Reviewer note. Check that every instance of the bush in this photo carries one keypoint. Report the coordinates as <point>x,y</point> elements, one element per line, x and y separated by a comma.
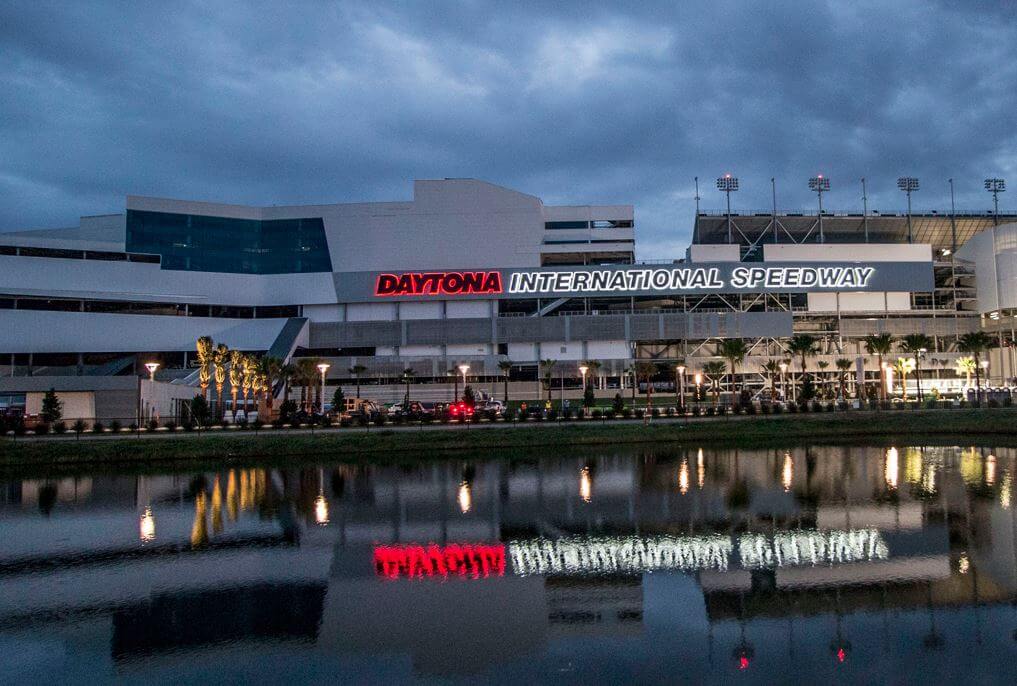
<point>257,424</point>
<point>617,404</point>
<point>98,428</point>
<point>626,412</point>
<point>398,419</point>
<point>844,406</point>
<point>710,411</point>
<point>597,414</point>
<point>696,411</point>
<point>286,410</point>
<point>379,420</point>
<point>133,427</point>
<point>171,425</point>
<point>993,403</point>
<point>241,423</point>
<point>278,422</point>
<point>639,412</point>
<point>199,410</point>
<point>60,427</point>
<point>188,425</point>
<point>115,426</point>
<point>669,411</point>
<point>655,412</point>
<point>750,409</point>
<point>792,408</point>
<point>41,429</point>
<point>777,408</point>
<point>765,408</point>
<point>428,418</point>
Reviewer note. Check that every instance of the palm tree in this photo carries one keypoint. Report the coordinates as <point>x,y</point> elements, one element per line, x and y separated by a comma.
<point>408,374</point>
<point>916,344</point>
<point>647,371</point>
<point>803,345</point>
<point>356,370</point>
<point>219,358</point>
<point>976,343</point>
<point>823,366</point>
<point>966,366</point>
<point>631,371</point>
<point>237,360</point>
<point>247,381</point>
<point>772,369</point>
<point>734,351</point>
<point>205,346</point>
<point>715,369</point>
<point>904,366</point>
<point>547,372</point>
<point>287,375</point>
<point>271,367</point>
<point>306,373</point>
<point>844,366</point>
<point>506,368</point>
<point>879,344</point>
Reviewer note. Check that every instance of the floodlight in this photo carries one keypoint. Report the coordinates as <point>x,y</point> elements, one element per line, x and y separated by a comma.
<point>908,184</point>
<point>995,186</point>
<point>726,184</point>
<point>820,184</point>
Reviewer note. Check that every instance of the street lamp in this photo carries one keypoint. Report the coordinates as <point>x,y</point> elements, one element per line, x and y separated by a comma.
<point>681,388</point>
<point>151,367</point>
<point>820,184</point>
<point>582,370</point>
<point>783,381</point>
<point>323,367</point>
<point>726,184</point>
<point>995,186</point>
<point>147,526</point>
<point>699,390</point>
<point>908,184</point>
<point>463,368</point>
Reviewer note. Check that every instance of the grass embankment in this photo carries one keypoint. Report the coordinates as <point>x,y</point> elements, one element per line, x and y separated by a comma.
<point>917,426</point>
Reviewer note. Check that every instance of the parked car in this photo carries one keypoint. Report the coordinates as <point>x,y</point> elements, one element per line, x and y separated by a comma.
<point>492,409</point>
<point>362,409</point>
<point>414,410</point>
<point>461,411</point>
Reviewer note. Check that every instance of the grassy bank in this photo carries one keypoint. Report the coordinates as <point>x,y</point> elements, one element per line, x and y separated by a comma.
<point>994,426</point>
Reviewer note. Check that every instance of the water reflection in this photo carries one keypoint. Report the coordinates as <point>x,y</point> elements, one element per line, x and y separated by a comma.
<point>804,562</point>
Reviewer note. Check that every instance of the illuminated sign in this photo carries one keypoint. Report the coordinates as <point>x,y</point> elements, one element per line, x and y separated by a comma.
<point>439,283</point>
<point>473,561</point>
<point>811,548</point>
<point>682,279</point>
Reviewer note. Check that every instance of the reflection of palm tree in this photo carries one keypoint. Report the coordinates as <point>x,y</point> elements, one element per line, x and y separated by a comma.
<point>932,640</point>
<point>232,499</point>
<point>216,506</point>
<point>199,530</point>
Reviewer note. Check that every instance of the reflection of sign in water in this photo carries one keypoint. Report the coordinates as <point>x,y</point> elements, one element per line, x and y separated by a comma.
<point>619,555</point>
<point>811,548</point>
<point>417,561</point>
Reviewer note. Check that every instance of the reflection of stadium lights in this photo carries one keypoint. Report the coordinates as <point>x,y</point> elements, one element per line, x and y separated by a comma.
<point>321,510</point>
<point>1005,490</point>
<point>585,485</point>
<point>890,468</point>
<point>147,526</point>
<point>683,477</point>
<point>990,470</point>
<point>700,469</point>
<point>787,475</point>
<point>465,497</point>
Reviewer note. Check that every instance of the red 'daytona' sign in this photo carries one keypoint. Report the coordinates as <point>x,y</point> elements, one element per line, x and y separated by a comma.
<point>417,561</point>
<point>439,283</point>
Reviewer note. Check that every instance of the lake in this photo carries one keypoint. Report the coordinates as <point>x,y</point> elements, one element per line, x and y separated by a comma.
<point>620,565</point>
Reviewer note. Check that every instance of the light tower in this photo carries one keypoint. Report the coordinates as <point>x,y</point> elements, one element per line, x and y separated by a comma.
<point>820,184</point>
<point>726,184</point>
<point>908,184</point>
<point>995,186</point>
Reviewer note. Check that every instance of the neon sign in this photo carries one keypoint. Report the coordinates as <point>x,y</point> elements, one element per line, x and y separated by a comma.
<point>474,561</point>
<point>439,283</point>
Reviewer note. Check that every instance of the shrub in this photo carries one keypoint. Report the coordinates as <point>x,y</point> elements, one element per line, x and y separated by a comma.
<point>199,410</point>
<point>710,411</point>
<point>398,419</point>
<point>379,419</point>
<point>778,409</point>
<point>626,412</point>
<point>133,427</point>
<point>993,403</point>
<point>617,404</point>
<point>188,425</point>
<point>52,408</point>
<point>41,429</point>
<point>792,408</point>
<point>115,426</point>
<point>171,425</point>
<point>241,423</point>
<point>60,427</point>
<point>696,411</point>
<point>597,414</point>
<point>843,405</point>
<point>655,412</point>
<point>765,409</point>
<point>750,409</point>
<point>829,407</point>
<point>428,418</point>
<point>98,428</point>
<point>639,412</point>
<point>669,411</point>
<point>257,424</point>
<point>279,422</point>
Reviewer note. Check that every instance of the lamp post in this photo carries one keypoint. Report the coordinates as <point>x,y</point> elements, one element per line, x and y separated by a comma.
<point>463,369</point>
<point>151,367</point>
<point>699,383</point>
<point>582,370</point>
<point>820,184</point>
<point>783,381</point>
<point>908,184</point>
<point>681,388</point>
<point>995,186</point>
<point>727,184</point>
<point>323,367</point>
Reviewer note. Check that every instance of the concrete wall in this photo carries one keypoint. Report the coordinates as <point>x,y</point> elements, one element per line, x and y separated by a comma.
<point>993,253</point>
<point>75,404</point>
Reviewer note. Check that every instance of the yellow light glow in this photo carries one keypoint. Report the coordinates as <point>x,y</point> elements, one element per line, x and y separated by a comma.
<point>1005,486</point>
<point>929,478</point>
<point>890,470</point>
<point>147,526</point>
<point>787,473</point>
<point>963,564</point>
<point>465,497</point>
<point>585,485</point>
<point>889,380</point>
<point>912,466</point>
<point>683,477</point>
<point>700,469</point>
<point>321,510</point>
<point>990,470</point>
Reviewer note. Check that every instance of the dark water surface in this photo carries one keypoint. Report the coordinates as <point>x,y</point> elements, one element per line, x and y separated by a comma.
<point>862,565</point>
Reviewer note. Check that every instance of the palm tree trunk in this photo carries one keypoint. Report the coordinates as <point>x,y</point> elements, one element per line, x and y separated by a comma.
<point>506,389</point>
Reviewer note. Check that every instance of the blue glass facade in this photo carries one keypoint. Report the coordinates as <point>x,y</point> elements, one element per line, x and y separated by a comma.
<point>192,242</point>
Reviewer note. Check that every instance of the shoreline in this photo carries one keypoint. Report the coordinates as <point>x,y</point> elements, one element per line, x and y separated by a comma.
<point>388,445</point>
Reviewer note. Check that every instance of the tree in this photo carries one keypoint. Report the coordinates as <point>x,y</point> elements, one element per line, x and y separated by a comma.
<point>199,410</point>
<point>879,344</point>
<point>714,369</point>
<point>843,366</point>
<point>904,366</point>
<point>917,344</point>
<point>52,408</point>
<point>647,371</point>
<point>205,346</point>
<point>975,343</point>
<point>271,367</point>
<point>237,363</point>
<point>772,369</point>
<point>734,351</point>
<point>804,346</point>
<point>219,358</point>
<point>408,374</point>
<point>338,400</point>
<point>966,366</point>
<point>355,371</point>
<point>547,372</point>
<point>589,397</point>
<point>506,368</point>
<point>469,396</point>
<point>823,366</point>
<point>287,374</point>
<point>631,371</point>
<point>306,375</point>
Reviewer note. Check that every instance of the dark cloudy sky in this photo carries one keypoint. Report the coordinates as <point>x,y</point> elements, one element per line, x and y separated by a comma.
<point>283,102</point>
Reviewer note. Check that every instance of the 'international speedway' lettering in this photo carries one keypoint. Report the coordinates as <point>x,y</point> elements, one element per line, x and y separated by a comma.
<point>672,280</point>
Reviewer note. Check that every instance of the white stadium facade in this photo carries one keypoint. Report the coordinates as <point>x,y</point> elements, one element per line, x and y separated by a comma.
<point>470,273</point>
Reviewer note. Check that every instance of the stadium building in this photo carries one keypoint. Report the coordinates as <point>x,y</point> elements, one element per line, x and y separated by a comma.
<point>472,274</point>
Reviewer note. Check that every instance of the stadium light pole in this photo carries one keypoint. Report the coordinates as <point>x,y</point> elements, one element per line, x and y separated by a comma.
<point>726,184</point>
<point>995,186</point>
<point>865,211</point>
<point>953,222</point>
<point>696,229</point>
<point>820,184</point>
<point>908,184</point>
<point>773,190</point>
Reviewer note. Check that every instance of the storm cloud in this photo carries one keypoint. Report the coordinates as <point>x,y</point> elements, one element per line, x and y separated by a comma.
<point>287,103</point>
